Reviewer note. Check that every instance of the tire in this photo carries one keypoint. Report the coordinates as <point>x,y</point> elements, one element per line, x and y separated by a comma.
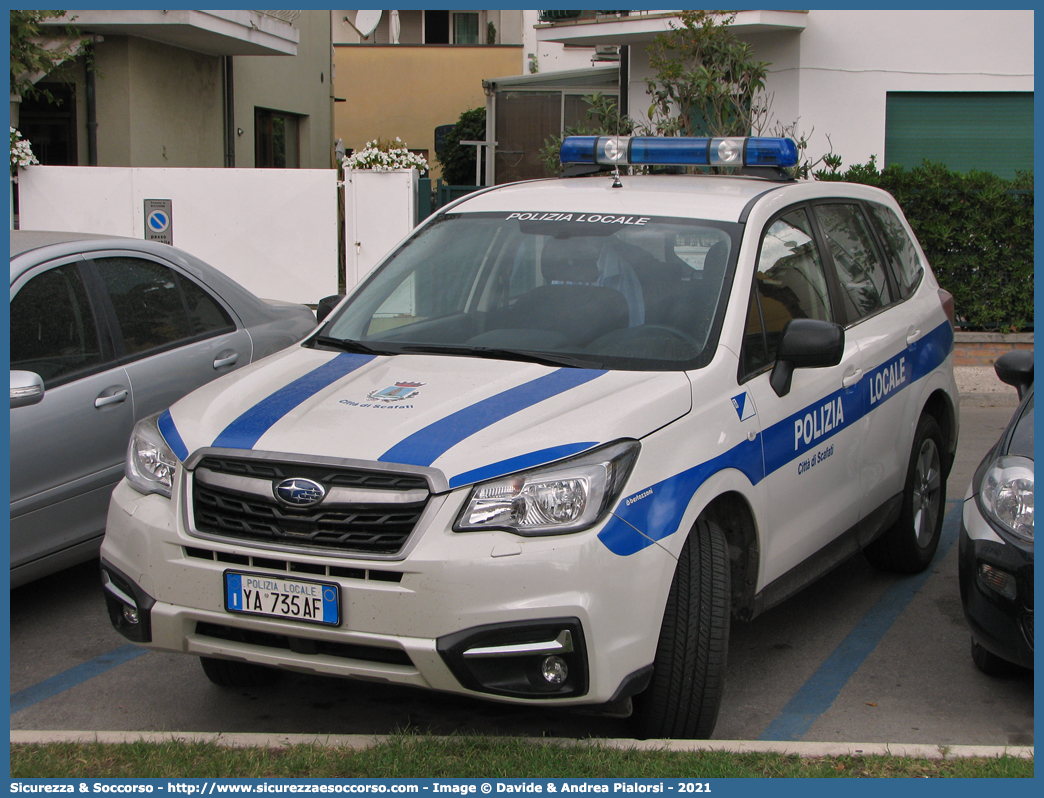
<point>989,663</point>
<point>230,673</point>
<point>909,545</point>
<point>688,679</point>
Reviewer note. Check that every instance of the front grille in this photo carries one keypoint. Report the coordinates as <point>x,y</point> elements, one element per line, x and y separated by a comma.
<point>243,507</point>
<point>1027,627</point>
<point>328,475</point>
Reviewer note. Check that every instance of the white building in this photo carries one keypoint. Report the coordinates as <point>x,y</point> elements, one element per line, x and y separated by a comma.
<point>954,86</point>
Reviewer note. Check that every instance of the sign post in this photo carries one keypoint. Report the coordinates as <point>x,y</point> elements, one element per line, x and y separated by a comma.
<point>159,221</point>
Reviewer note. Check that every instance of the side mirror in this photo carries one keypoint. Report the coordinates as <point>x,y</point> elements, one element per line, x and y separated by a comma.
<point>806,344</point>
<point>1016,368</point>
<point>327,304</point>
<point>27,388</point>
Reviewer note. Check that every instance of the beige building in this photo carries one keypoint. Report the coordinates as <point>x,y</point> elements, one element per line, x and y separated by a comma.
<point>187,88</point>
<point>417,70</point>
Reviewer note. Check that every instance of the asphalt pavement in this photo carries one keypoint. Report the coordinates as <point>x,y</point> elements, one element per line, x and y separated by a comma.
<point>857,656</point>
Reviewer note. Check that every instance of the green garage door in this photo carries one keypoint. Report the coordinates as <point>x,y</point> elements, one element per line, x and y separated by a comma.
<point>988,131</point>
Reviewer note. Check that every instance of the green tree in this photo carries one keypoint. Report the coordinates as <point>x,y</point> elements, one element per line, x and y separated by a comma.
<point>35,50</point>
<point>707,80</point>
<point>457,160</point>
<point>602,119</point>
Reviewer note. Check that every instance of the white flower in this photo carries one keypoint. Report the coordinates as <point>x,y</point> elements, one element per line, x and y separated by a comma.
<point>385,158</point>
<point>21,152</point>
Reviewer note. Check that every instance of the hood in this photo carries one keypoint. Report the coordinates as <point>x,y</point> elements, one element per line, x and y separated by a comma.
<point>471,419</point>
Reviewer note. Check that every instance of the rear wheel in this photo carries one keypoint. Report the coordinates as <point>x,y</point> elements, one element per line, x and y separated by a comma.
<point>688,678</point>
<point>909,545</point>
<point>230,673</point>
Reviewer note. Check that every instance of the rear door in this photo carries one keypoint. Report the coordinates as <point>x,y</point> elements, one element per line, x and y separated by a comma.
<point>173,334</point>
<point>888,335</point>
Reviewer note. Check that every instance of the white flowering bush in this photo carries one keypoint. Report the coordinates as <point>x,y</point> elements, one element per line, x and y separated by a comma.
<point>21,152</point>
<point>385,156</point>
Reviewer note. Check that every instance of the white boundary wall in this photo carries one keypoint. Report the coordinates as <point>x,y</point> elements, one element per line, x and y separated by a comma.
<point>274,231</point>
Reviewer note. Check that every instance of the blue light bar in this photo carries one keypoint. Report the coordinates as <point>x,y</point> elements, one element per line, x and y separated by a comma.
<point>660,151</point>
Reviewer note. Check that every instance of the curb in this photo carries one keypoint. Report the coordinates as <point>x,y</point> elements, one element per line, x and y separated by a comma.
<point>360,741</point>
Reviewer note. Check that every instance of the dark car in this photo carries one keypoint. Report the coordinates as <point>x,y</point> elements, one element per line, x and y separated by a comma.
<point>996,550</point>
<point>104,331</point>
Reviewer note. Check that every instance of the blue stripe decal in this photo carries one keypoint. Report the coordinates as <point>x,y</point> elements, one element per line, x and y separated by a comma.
<point>66,680</point>
<point>171,435</point>
<point>245,431</point>
<point>427,445</point>
<point>524,461</point>
<point>818,694</point>
<point>657,510</point>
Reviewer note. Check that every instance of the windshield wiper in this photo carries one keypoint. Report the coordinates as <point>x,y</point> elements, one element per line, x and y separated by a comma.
<point>521,355</point>
<point>348,345</point>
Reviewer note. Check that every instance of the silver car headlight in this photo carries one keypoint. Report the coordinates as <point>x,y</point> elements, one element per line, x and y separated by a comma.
<point>1007,495</point>
<point>150,462</point>
<point>567,496</point>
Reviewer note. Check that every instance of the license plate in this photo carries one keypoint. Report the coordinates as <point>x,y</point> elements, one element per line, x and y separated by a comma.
<point>278,597</point>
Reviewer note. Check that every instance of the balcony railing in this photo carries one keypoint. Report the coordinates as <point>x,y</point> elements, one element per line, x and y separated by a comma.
<point>282,16</point>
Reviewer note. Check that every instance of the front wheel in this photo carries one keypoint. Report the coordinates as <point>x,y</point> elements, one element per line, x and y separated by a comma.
<point>688,678</point>
<point>232,673</point>
<point>989,663</point>
<point>909,545</point>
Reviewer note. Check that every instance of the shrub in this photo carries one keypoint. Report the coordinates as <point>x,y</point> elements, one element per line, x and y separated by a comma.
<point>458,162</point>
<point>977,231</point>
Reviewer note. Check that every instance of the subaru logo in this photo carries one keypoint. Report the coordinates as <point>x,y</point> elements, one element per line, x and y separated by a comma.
<point>300,492</point>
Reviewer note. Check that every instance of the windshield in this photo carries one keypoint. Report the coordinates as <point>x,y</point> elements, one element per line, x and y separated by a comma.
<point>586,290</point>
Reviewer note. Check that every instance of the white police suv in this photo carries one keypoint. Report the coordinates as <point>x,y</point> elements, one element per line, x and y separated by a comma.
<point>563,433</point>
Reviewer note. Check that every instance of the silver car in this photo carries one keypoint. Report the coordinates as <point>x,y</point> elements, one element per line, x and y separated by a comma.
<point>104,331</point>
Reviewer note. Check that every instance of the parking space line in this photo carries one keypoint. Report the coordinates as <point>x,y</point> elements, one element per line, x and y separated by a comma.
<point>818,694</point>
<point>66,680</point>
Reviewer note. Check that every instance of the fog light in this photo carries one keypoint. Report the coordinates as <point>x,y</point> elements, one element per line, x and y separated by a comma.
<point>130,615</point>
<point>555,670</point>
<point>998,580</point>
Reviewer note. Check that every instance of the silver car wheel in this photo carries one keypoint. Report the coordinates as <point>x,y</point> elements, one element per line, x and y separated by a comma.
<point>927,479</point>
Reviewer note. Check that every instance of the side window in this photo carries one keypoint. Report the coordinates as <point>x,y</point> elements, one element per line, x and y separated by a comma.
<point>906,264</point>
<point>862,274</point>
<point>206,316</point>
<point>151,308</point>
<point>790,284</point>
<point>53,330</point>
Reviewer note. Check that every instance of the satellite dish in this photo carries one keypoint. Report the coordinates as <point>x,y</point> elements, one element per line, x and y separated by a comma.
<point>366,22</point>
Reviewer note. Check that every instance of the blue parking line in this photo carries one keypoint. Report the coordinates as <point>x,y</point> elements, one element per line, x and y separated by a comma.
<point>66,680</point>
<point>818,694</point>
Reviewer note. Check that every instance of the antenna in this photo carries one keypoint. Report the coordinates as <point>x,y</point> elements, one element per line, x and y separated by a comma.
<point>366,22</point>
<point>616,171</point>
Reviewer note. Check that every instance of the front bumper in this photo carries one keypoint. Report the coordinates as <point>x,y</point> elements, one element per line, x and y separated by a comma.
<point>408,621</point>
<point>996,580</point>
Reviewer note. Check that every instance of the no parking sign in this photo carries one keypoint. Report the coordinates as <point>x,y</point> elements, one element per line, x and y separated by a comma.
<point>159,221</point>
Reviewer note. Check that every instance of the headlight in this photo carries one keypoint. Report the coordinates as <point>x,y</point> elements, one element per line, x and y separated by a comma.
<point>1007,495</point>
<point>150,462</point>
<point>563,497</point>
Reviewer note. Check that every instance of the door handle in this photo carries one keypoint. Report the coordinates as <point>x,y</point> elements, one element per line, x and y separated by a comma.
<point>118,395</point>
<point>226,358</point>
<point>850,379</point>
<point>912,336</point>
